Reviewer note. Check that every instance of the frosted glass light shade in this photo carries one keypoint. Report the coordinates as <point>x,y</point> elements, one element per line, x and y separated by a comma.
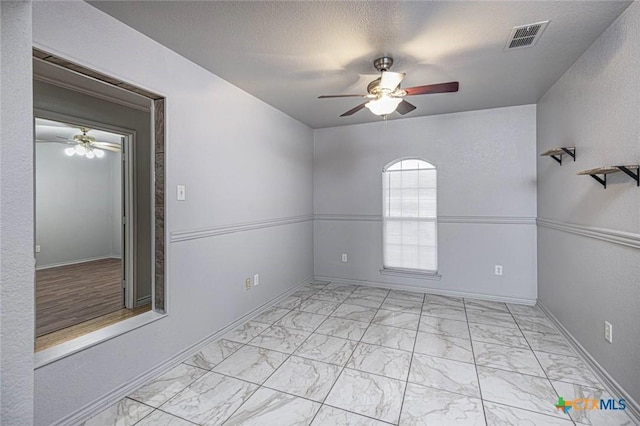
<point>80,150</point>
<point>99,153</point>
<point>70,151</point>
<point>384,105</point>
<point>90,154</point>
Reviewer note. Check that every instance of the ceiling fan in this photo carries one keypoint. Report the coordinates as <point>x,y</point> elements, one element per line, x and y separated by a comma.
<point>386,95</point>
<point>85,145</point>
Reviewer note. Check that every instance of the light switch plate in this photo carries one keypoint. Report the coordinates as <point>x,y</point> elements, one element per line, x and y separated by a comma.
<point>181,193</point>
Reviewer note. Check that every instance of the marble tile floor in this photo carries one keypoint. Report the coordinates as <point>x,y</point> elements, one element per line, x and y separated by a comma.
<point>333,355</point>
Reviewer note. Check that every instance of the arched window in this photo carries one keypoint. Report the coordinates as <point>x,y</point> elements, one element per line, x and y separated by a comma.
<point>409,216</point>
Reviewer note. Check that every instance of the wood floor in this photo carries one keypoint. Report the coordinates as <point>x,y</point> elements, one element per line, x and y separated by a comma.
<point>61,336</point>
<point>74,294</point>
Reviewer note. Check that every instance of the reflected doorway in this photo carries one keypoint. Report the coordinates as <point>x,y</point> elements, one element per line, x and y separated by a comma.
<point>83,243</point>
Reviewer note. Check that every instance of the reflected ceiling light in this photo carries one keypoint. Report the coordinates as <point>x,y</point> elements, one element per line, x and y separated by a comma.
<point>384,105</point>
<point>82,151</point>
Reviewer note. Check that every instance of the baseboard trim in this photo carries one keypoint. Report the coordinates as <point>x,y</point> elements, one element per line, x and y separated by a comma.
<point>99,404</point>
<point>438,291</point>
<point>75,262</point>
<point>622,238</point>
<point>609,382</point>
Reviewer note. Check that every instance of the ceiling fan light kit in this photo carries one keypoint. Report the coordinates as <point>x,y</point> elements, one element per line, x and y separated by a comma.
<point>86,146</point>
<point>384,105</point>
<point>386,94</point>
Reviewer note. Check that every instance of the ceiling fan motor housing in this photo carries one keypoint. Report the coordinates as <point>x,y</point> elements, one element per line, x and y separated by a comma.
<point>383,63</point>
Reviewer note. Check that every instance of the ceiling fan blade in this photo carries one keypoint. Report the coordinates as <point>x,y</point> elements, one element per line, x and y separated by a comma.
<point>105,144</point>
<point>452,86</point>
<point>109,148</point>
<point>354,110</point>
<point>341,96</point>
<point>63,141</point>
<point>405,107</point>
<point>391,80</point>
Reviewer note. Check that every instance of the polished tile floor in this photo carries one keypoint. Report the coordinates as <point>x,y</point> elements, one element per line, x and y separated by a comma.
<point>335,355</point>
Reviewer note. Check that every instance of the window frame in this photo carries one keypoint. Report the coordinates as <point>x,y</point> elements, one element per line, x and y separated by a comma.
<point>409,272</point>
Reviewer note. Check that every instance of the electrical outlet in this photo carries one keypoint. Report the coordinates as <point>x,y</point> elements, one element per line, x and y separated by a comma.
<point>256,280</point>
<point>608,332</point>
<point>344,257</point>
<point>247,284</point>
<point>498,270</point>
<point>37,249</point>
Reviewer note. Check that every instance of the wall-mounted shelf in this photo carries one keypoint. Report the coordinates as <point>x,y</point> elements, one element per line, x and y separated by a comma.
<point>604,171</point>
<point>557,153</point>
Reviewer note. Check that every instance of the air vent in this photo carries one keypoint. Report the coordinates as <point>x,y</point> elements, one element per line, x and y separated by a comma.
<point>525,35</point>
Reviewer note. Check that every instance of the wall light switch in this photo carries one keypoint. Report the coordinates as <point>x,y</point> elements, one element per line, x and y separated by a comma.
<point>256,280</point>
<point>38,249</point>
<point>181,193</point>
<point>498,270</point>
<point>608,332</point>
<point>344,257</point>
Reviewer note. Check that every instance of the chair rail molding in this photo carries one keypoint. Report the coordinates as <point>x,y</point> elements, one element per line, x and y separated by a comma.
<point>193,234</point>
<point>628,239</point>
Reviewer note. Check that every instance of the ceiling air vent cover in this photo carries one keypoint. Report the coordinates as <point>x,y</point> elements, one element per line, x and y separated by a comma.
<point>525,35</point>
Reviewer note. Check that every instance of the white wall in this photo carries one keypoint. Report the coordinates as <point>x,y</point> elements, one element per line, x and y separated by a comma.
<point>486,199</point>
<point>589,238</point>
<point>242,162</point>
<point>16,216</point>
<point>76,210</point>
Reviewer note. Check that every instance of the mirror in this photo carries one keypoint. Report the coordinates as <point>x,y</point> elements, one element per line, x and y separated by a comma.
<point>99,200</point>
<point>80,235</point>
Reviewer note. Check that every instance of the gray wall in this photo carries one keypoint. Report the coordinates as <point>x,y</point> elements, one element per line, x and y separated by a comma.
<point>486,199</point>
<point>76,210</point>
<point>64,101</point>
<point>16,216</point>
<point>586,276</point>
<point>248,174</point>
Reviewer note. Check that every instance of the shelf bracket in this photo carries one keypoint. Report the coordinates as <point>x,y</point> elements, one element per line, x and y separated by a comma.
<point>634,176</point>
<point>603,180</point>
<point>557,158</point>
<point>571,152</point>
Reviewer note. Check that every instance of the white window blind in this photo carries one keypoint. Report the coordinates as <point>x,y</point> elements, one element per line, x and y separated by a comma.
<point>409,216</point>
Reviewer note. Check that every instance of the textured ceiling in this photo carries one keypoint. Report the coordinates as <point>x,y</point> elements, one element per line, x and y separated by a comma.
<point>288,53</point>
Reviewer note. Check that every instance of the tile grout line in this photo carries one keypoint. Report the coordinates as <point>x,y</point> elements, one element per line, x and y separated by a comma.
<point>343,367</point>
<point>260,386</point>
<point>350,356</point>
<point>415,341</point>
<point>386,298</point>
<point>540,364</point>
<point>475,364</point>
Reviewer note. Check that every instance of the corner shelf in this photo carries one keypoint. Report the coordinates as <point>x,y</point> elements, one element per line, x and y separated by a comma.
<point>557,153</point>
<point>606,170</point>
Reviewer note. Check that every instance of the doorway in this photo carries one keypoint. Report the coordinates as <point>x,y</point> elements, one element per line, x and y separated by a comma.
<point>83,233</point>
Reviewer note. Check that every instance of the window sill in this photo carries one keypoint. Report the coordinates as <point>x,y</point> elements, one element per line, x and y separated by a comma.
<point>81,343</point>
<point>407,273</point>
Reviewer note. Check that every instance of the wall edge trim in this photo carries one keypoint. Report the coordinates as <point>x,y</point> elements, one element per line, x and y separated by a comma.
<point>623,238</point>
<point>122,391</point>
<point>609,382</point>
<point>429,290</point>
<point>194,234</point>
